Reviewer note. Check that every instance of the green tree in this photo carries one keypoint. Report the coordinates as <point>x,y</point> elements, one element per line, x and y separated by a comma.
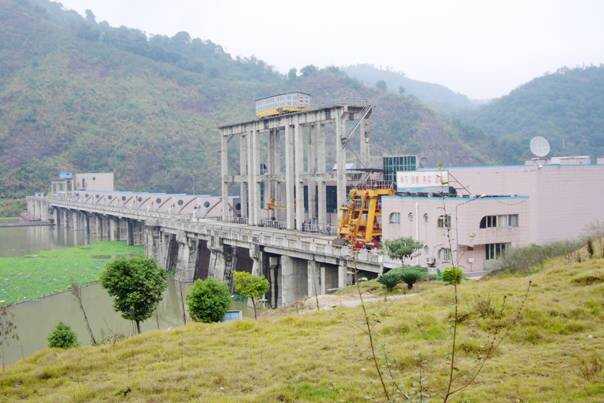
<point>389,280</point>
<point>411,275</point>
<point>208,300</point>
<point>401,248</point>
<point>62,337</point>
<point>136,285</point>
<point>250,286</point>
<point>453,275</point>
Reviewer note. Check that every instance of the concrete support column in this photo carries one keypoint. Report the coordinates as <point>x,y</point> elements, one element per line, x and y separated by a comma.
<point>364,129</point>
<point>290,178</point>
<point>312,169</point>
<point>257,263</point>
<point>299,167</point>
<point>243,186</point>
<point>321,185</point>
<point>314,285</point>
<point>75,215</point>
<point>113,228</point>
<point>256,174</point>
<point>342,275</point>
<point>269,187</point>
<point>55,216</point>
<point>129,232</point>
<point>340,127</point>
<point>65,218</point>
<point>250,177</point>
<point>288,280</point>
<point>273,264</point>
<point>322,280</point>
<point>224,171</point>
<point>187,251</point>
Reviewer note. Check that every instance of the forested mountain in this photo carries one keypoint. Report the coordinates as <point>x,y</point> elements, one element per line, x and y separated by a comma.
<point>80,95</point>
<point>566,107</point>
<point>436,95</point>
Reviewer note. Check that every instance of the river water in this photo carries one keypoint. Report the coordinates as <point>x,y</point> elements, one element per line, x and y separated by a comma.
<point>35,319</point>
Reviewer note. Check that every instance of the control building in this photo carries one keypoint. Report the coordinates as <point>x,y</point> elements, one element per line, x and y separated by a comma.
<point>486,210</point>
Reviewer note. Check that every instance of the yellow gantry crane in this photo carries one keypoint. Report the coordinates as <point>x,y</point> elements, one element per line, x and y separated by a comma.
<point>360,225</point>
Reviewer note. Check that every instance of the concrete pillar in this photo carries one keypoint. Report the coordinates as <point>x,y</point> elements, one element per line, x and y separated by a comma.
<point>269,187</point>
<point>340,127</point>
<point>321,184</point>
<point>312,169</point>
<point>129,232</point>
<point>257,256</point>
<point>187,254</point>
<point>224,170</point>
<point>364,141</point>
<point>288,281</point>
<point>314,286</point>
<point>299,167</point>
<point>323,280</point>
<point>256,172</point>
<point>243,186</point>
<point>113,228</point>
<point>290,178</point>
<point>342,275</point>
<point>55,216</point>
<point>273,264</point>
<point>75,215</point>
<point>250,178</point>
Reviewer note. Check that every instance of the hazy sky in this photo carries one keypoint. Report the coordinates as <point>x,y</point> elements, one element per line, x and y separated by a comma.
<point>482,48</point>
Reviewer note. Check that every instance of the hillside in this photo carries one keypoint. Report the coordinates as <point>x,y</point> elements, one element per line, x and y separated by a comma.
<point>566,107</point>
<point>552,353</point>
<point>81,95</point>
<point>436,95</point>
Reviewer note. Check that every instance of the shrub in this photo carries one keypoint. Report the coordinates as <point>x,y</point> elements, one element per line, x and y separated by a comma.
<point>522,260</point>
<point>136,284</point>
<point>453,275</point>
<point>62,337</point>
<point>412,275</point>
<point>389,280</point>
<point>208,300</point>
<point>250,286</point>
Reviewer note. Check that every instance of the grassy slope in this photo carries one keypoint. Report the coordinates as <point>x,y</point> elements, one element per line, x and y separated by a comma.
<point>33,276</point>
<point>325,356</point>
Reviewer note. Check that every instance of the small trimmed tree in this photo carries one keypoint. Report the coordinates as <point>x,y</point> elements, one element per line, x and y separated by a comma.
<point>411,275</point>
<point>208,300</point>
<point>136,284</point>
<point>401,248</point>
<point>62,337</point>
<point>389,280</point>
<point>453,275</point>
<point>250,286</point>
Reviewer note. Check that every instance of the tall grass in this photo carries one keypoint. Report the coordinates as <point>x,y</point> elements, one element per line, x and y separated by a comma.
<point>530,258</point>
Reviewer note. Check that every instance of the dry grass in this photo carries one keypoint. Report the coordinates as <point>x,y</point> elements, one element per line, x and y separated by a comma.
<point>554,353</point>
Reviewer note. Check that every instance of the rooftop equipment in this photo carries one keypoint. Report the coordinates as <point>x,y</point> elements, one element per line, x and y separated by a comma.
<point>282,103</point>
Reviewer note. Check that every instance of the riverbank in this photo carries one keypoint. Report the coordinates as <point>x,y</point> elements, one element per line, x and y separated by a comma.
<point>46,272</point>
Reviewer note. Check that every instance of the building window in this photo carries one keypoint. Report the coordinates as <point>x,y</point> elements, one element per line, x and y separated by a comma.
<point>394,218</point>
<point>444,221</point>
<point>426,217</point>
<point>410,216</point>
<point>494,250</point>
<point>444,255</point>
<point>499,221</point>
